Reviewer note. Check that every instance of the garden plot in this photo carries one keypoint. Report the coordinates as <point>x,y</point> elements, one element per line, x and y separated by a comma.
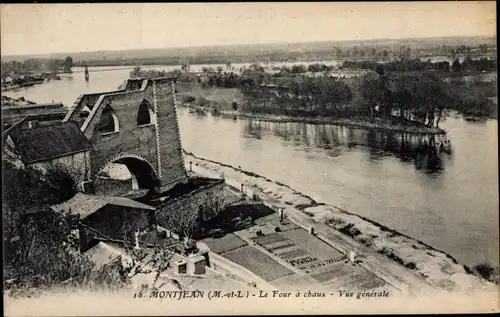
<point>313,245</point>
<point>335,272</point>
<point>349,277</point>
<point>296,253</point>
<point>227,243</point>
<point>348,281</point>
<point>320,265</point>
<point>294,282</point>
<point>367,282</point>
<point>281,245</point>
<point>258,262</point>
<point>269,239</point>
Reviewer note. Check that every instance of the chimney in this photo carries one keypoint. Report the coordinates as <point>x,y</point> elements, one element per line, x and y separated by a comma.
<point>137,246</point>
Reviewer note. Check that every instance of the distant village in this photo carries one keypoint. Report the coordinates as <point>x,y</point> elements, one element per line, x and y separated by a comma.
<point>31,72</point>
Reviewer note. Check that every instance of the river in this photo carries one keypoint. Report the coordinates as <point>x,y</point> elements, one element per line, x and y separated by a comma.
<point>450,201</point>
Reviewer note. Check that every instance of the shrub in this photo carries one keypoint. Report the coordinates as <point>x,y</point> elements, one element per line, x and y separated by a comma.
<point>189,99</point>
<point>487,272</point>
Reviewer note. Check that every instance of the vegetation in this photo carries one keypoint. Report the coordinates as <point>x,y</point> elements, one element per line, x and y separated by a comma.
<point>404,97</point>
<point>37,65</point>
<point>41,249</point>
<point>488,272</point>
<point>409,65</point>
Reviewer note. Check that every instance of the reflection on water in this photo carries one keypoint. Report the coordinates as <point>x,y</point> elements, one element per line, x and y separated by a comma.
<point>421,151</point>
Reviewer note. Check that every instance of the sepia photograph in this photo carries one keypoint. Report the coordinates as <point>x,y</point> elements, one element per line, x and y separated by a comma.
<point>249,158</point>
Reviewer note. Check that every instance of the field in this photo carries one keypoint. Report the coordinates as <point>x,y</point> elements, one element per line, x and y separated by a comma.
<point>318,260</point>
<point>258,262</point>
<point>294,282</point>
<point>315,246</point>
<point>227,243</point>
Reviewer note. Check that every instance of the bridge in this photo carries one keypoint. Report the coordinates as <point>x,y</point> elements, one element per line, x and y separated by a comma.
<point>135,126</point>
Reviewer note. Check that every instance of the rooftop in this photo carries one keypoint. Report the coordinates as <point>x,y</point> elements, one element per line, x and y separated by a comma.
<point>49,142</point>
<point>85,205</point>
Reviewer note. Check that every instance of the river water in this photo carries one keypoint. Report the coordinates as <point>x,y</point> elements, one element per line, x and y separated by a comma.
<point>448,201</point>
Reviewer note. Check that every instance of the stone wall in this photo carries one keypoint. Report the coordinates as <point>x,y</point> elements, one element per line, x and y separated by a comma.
<point>171,160</point>
<point>77,164</point>
<point>207,200</point>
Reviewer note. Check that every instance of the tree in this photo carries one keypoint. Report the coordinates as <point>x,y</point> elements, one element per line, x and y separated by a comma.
<point>372,92</point>
<point>40,250</point>
<point>468,64</point>
<point>152,260</point>
<point>68,63</point>
<point>185,67</point>
<point>355,50</point>
<point>483,48</point>
<point>55,64</point>
<point>456,66</point>
<point>185,224</point>
<point>379,69</point>
<point>338,52</point>
<point>298,69</point>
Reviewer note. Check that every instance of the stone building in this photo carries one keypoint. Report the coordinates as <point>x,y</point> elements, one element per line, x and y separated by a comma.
<point>137,126</point>
<point>108,218</point>
<point>43,147</point>
<point>30,114</point>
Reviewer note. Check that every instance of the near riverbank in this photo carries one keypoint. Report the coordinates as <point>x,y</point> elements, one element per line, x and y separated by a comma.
<point>387,252</point>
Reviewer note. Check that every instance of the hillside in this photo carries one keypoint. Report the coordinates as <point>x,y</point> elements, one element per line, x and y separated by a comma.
<point>249,53</point>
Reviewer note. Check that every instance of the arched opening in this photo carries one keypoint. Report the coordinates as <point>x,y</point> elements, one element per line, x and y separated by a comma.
<point>128,175</point>
<point>145,114</point>
<point>108,122</point>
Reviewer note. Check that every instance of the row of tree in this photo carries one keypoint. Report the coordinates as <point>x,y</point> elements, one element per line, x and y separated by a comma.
<point>410,65</point>
<point>36,65</point>
<point>409,99</point>
<point>300,96</point>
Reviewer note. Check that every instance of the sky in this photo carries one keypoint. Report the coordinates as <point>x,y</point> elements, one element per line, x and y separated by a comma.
<point>68,28</point>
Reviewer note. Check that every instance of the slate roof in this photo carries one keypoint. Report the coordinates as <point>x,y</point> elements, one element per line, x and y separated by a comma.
<point>85,205</point>
<point>102,254</point>
<point>49,142</point>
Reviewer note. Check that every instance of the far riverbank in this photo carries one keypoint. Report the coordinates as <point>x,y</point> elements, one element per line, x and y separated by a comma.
<point>378,125</point>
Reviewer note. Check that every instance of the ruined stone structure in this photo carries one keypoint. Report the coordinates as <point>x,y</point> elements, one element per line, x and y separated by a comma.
<point>135,126</point>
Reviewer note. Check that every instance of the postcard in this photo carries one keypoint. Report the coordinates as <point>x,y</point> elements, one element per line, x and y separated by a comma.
<point>250,158</point>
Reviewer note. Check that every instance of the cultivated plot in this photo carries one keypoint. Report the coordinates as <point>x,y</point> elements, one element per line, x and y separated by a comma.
<point>227,243</point>
<point>258,262</point>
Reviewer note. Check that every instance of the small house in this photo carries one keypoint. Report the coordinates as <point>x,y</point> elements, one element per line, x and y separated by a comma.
<point>108,218</point>
<point>45,146</point>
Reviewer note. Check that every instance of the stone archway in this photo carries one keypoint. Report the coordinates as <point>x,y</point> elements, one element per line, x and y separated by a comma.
<point>143,173</point>
<point>114,129</point>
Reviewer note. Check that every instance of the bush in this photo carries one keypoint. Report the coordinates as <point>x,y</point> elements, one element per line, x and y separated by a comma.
<point>487,272</point>
<point>189,99</point>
